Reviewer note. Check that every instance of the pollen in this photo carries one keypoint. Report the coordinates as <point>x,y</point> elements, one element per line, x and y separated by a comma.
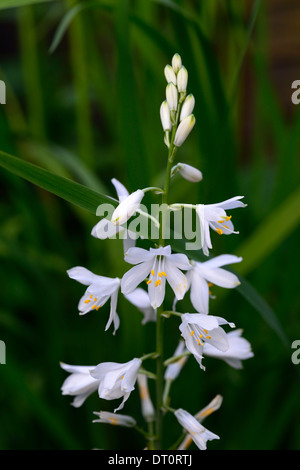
<point>228,217</point>
<point>91,296</point>
<point>210,284</point>
<point>152,272</point>
<point>97,308</point>
<point>163,273</point>
<point>192,332</point>
<point>225,226</point>
<point>208,337</point>
<point>148,282</point>
<point>87,301</point>
<point>200,336</point>
<point>219,231</point>
<point>113,421</point>
<point>158,282</point>
<point>205,331</point>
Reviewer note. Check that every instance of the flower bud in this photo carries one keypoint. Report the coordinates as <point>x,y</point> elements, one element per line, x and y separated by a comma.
<point>182,79</point>
<point>127,208</point>
<point>165,116</point>
<point>187,107</point>
<point>172,96</point>
<point>174,369</point>
<point>184,129</point>
<point>189,173</point>
<point>114,419</point>
<point>170,74</point>
<point>176,62</point>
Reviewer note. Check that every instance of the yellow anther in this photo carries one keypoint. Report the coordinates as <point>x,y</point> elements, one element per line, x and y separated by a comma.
<point>205,331</point>
<point>95,299</point>
<point>91,296</point>
<point>94,306</point>
<point>158,282</point>
<point>164,274</point>
<point>219,231</point>
<point>210,292</point>
<point>122,377</point>
<point>221,221</point>
<point>200,336</point>
<point>210,284</point>
<point>152,272</point>
<point>87,301</point>
<point>113,420</point>
<point>97,308</point>
<point>208,337</point>
<point>228,217</point>
<point>192,332</point>
<point>159,274</point>
<point>225,226</point>
<point>149,282</point>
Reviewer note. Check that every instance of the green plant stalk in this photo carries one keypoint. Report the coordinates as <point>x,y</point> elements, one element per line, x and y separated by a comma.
<point>160,310</point>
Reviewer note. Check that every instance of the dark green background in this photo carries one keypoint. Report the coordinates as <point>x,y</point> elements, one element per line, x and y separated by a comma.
<point>89,110</point>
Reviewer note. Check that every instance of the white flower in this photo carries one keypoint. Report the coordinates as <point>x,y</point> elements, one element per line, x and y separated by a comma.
<point>165,116</point>
<point>100,290</point>
<point>140,299</point>
<point>170,74</point>
<point>199,328</point>
<point>127,208</point>
<point>203,275</point>
<point>174,369</point>
<point>188,172</point>
<point>187,107</point>
<point>176,62</point>
<point>172,96</point>
<point>148,411</point>
<point>184,129</point>
<point>214,216</point>
<point>107,229</point>
<point>182,79</point>
<point>198,433</point>
<point>162,266</point>
<point>79,384</point>
<point>114,419</point>
<point>116,380</point>
<point>238,350</point>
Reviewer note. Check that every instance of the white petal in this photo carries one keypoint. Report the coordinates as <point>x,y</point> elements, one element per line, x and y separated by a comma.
<point>199,293</point>
<point>135,276</point>
<point>180,260</point>
<point>221,277</point>
<point>221,260</point>
<point>113,310</point>
<point>120,189</point>
<point>105,229</point>
<point>82,275</point>
<point>137,255</point>
<point>176,279</point>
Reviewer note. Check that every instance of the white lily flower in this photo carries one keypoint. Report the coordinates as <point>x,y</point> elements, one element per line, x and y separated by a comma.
<point>140,299</point>
<point>184,129</point>
<point>198,433</point>
<point>239,349</point>
<point>199,328</point>
<point>148,411</point>
<point>161,266</point>
<point>116,380</point>
<point>107,229</point>
<point>100,290</point>
<point>176,62</point>
<point>214,216</point>
<point>114,419</point>
<point>170,74</point>
<point>187,107</point>
<point>203,275</point>
<point>79,384</point>
<point>174,369</point>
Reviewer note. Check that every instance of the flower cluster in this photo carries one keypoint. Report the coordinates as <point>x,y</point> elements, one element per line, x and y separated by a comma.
<point>144,286</point>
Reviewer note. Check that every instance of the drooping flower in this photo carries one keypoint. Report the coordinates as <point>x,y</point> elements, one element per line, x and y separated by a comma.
<point>199,328</point>
<point>140,299</point>
<point>116,380</point>
<point>239,349</point>
<point>107,229</point>
<point>148,411</point>
<point>114,419</point>
<point>203,275</point>
<point>79,384</point>
<point>100,290</point>
<point>198,433</point>
<point>187,172</point>
<point>214,216</point>
<point>161,266</point>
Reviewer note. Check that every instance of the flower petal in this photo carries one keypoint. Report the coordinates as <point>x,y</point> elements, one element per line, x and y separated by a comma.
<point>135,276</point>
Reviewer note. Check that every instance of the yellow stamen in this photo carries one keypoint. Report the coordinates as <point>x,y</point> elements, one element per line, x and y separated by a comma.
<point>91,296</point>
<point>208,337</point>
<point>87,301</point>
<point>122,377</point>
<point>159,274</point>
<point>192,332</point>
<point>210,284</point>
<point>228,217</point>
<point>152,272</point>
<point>205,331</point>
<point>95,299</point>
<point>148,282</point>
<point>158,282</point>
<point>94,306</point>
<point>207,412</point>
<point>97,308</point>
<point>219,231</point>
<point>200,336</point>
<point>225,226</point>
<point>164,274</point>
<point>113,421</point>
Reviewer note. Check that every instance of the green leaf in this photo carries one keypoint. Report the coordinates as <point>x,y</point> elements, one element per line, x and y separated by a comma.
<point>65,188</point>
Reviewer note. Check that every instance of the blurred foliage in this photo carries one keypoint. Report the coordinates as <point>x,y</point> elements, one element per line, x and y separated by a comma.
<point>84,86</point>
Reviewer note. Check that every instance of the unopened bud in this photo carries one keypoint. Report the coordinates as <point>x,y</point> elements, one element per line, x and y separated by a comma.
<point>184,130</point>
<point>127,208</point>
<point>182,79</point>
<point>187,107</point>
<point>165,116</point>
<point>146,403</point>
<point>170,74</point>
<point>189,173</point>
<point>172,96</point>
<point>176,62</point>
